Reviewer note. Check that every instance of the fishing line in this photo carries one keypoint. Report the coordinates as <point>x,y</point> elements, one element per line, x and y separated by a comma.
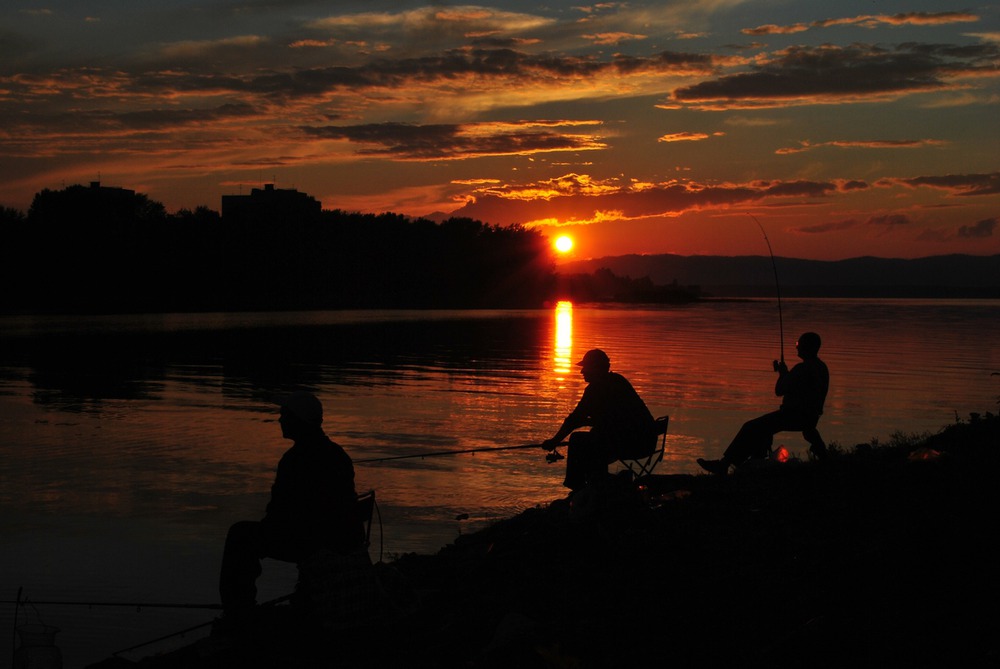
<point>437,453</point>
<point>777,286</point>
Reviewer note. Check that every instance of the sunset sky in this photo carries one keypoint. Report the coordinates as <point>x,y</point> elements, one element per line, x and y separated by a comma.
<point>847,129</point>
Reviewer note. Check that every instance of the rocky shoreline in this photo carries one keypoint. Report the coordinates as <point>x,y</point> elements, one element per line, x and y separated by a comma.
<point>878,557</point>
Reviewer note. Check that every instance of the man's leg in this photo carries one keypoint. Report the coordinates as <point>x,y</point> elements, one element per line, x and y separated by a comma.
<point>816,444</point>
<point>241,566</point>
<point>754,439</point>
<point>586,460</point>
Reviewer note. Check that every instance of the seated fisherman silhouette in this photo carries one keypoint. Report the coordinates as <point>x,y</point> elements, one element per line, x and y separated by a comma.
<point>803,391</point>
<point>620,424</point>
<point>312,507</point>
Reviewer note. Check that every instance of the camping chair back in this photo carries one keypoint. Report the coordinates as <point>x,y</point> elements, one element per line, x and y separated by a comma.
<point>366,511</point>
<point>644,466</point>
<point>338,590</point>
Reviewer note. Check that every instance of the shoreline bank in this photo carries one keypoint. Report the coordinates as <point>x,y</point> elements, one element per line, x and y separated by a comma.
<point>877,557</point>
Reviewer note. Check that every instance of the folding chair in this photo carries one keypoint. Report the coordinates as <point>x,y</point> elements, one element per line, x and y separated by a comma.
<point>644,466</point>
<point>366,509</point>
<point>339,590</point>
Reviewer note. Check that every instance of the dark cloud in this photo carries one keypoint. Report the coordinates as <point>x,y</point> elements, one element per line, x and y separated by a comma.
<point>829,73</point>
<point>959,184</point>
<point>108,121</point>
<point>862,144</point>
<point>833,226</point>
<point>494,42</point>
<point>476,67</point>
<point>13,46</point>
<point>666,62</point>
<point>453,141</point>
<point>485,65</point>
<point>889,221</point>
<point>980,230</point>
<point>797,188</point>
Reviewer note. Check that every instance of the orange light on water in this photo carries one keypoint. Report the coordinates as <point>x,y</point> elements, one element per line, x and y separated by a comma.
<point>563,350</point>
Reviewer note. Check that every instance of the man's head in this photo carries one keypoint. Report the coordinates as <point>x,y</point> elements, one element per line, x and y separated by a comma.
<point>808,345</point>
<point>594,363</point>
<point>300,412</point>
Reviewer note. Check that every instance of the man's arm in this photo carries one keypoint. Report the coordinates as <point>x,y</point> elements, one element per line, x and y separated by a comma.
<point>579,417</point>
<point>571,423</point>
<point>781,386</point>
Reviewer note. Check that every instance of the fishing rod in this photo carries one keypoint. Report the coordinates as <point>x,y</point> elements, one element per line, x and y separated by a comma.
<point>437,453</point>
<point>186,630</point>
<point>138,606</point>
<point>134,605</point>
<point>777,287</point>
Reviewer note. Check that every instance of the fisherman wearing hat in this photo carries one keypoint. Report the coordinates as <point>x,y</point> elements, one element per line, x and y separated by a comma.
<point>312,507</point>
<point>621,425</point>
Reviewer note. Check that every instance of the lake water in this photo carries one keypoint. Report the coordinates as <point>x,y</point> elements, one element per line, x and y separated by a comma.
<point>129,444</point>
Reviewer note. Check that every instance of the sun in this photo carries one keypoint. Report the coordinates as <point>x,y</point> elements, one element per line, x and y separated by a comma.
<point>564,244</point>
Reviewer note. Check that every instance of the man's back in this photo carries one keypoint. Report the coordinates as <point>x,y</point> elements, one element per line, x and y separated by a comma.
<point>615,409</point>
<point>314,493</point>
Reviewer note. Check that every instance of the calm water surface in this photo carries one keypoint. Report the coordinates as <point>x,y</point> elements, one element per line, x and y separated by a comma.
<point>129,444</point>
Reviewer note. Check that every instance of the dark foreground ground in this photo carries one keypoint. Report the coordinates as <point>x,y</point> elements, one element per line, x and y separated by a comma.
<point>879,557</point>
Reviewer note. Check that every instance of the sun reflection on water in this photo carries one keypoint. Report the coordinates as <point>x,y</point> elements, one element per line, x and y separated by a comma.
<point>562,357</point>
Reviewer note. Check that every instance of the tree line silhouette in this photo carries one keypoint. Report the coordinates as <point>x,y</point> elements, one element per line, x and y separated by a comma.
<point>107,250</point>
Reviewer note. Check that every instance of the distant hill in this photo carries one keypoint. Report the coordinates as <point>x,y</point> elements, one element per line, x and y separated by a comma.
<point>751,276</point>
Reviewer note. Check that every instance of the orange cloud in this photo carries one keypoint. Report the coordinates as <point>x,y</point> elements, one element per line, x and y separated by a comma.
<point>605,39</point>
<point>576,197</point>
<point>869,21</point>
<point>771,29</point>
<point>687,136</point>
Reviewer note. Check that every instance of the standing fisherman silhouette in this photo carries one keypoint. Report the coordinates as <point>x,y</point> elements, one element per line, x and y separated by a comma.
<point>313,506</point>
<point>803,390</point>
<point>621,425</point>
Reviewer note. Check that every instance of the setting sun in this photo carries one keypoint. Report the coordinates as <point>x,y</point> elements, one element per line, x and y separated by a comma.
<point>564,244</point>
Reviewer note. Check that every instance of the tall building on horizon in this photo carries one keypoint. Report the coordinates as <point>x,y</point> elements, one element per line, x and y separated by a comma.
<point>270,204</point>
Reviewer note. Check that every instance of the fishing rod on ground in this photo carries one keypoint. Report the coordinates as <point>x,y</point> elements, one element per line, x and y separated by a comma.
<point>134,605</point>
<point>777,289</point>
<point>551,457</point>
<point>187,630</point>
<point>22,601</point>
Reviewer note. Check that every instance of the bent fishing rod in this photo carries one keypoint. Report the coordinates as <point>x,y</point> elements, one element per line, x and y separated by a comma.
<point>777,288</point>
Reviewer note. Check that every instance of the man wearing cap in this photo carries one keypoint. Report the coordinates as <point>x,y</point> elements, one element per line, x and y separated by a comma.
<point>621,425</point>
<point>312,507</point>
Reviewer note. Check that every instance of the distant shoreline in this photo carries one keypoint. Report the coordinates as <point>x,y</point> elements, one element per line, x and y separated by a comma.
<point>704,299</point>
<point>950,276</point>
